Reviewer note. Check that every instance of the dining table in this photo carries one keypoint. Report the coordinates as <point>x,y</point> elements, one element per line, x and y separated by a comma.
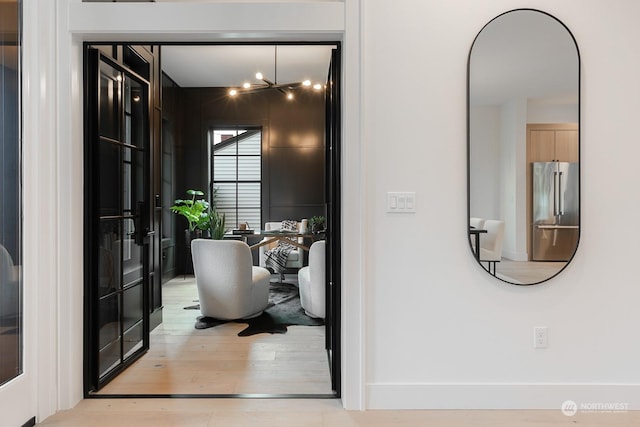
<point>270,236</point>
<point>476,232</point>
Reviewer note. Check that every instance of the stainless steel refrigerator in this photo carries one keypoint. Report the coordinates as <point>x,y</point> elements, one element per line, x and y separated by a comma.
<point>555,218</point>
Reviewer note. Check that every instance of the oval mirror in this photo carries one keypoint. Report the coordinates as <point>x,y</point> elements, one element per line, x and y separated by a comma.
<point>523,147</point>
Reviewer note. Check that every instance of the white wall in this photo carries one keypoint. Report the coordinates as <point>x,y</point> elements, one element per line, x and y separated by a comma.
<point>485,148</point>
<point>551,113</point>
<point>498,173</point>
<point>440,332</point>
<point>513,133</point>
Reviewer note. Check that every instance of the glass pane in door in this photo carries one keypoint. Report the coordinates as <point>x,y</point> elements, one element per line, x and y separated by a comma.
<point>11,331</point>
<point>109,332</point>
<point>133,190</point>
<point>134,112</point>
<point>110,178</point>
<point>110,101</point>
<point>132,318</point>
<point>131,255</point>
<point>109,259</point>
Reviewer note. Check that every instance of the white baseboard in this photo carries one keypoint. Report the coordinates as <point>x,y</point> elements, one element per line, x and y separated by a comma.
<point>588,397</point>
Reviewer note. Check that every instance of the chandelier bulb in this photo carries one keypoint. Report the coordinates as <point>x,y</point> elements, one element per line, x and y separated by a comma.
<point>259,75</point>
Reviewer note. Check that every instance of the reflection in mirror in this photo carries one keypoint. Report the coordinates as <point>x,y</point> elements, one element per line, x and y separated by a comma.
<point>523,147</point>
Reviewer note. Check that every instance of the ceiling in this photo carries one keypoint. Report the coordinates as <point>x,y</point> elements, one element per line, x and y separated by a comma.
<point>232,65</point>
<point>524,54</point>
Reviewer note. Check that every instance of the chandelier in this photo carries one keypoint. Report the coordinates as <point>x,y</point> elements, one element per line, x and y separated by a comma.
<point>265,84</point>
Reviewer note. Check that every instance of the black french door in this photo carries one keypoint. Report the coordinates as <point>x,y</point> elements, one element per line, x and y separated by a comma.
<point>333,235</point>
<point>117,218</point>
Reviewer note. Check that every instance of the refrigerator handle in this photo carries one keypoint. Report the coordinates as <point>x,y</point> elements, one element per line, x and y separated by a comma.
<point>555,193</point>
<point>560,196</point>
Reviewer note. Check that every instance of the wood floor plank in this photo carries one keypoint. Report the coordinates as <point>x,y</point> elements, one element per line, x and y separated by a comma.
<point>185,360</point>
<point>528,272</point>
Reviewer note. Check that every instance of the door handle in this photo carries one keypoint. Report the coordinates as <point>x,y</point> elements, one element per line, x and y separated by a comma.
<point>142,238</point>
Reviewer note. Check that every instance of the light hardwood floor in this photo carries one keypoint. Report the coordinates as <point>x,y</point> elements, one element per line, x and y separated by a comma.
<point>307,413</point>
<point>527,272</point>
<point>183,363</point>
<point>185,360</point>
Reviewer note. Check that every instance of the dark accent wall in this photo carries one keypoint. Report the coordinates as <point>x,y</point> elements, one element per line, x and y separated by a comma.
<point>293,147</point>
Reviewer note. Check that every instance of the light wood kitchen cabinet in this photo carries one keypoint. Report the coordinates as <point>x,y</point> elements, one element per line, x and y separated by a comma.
<point>567,145</point>
<point>553,142</point>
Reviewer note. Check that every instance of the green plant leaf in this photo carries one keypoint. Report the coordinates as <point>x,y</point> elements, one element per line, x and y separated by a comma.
<point>217,225</point>
<point>192,209</point>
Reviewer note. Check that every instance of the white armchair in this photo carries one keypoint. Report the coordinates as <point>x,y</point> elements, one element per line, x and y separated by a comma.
<point>311,281</point>
<point>296,256</point>
<point>229,286</point>
<point>9,285</point>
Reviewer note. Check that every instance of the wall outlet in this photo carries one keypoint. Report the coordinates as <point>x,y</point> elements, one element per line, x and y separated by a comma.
<point>540,337</point>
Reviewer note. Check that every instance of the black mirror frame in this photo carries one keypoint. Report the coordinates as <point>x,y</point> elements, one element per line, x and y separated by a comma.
<point>579,142</point>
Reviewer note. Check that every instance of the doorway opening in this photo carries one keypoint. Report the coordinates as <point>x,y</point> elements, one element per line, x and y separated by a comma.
<point>296,177</point>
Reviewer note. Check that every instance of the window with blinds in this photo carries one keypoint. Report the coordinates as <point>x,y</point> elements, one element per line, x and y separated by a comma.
<point>236,171</point>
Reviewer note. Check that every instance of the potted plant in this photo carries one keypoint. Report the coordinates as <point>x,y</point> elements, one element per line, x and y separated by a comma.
<point>216,224</point>
<point>203,219</point>
<point>196,211</point>
<point>317,224</point>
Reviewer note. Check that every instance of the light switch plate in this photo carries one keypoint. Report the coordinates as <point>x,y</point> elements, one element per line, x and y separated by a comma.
<point>401,202</point>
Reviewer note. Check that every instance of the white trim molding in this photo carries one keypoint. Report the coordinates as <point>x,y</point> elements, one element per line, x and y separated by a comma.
<point>214,22</point>
<point>353,332</point>
<point>502,396</point>
<point>226,21</point>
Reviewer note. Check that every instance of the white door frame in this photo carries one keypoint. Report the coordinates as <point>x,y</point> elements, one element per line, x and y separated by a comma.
<point>30,393</point>
<point>54,169</point>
